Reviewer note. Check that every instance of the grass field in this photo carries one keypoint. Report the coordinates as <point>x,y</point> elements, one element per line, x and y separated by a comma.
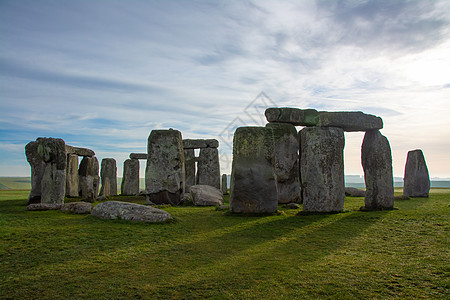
<point>207,253</point>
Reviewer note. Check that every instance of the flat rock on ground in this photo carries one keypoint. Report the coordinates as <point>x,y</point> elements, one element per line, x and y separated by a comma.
<point>130,212</point>
<point>205,195</point>
<point>77,208</point>
<point>354,192</point>
<point>44,206</point>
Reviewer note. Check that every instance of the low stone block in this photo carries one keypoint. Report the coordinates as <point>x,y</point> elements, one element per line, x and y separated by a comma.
<point>205,195</point>
<point>354,192</point>
<point>129,211</point>
<point>44,206</point>
<point>416,181</point>
<point>77,208</point>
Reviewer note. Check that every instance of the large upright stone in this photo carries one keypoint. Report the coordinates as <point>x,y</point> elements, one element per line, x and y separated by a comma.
<point>208,172</point>
<point>253,183</point>
<point>37,171</point>
<point>416,181</point>
<point>350,120</point>
<point>224,185</point>
<point>322,169</point>
<point>294,116</point>
<point>130,180</point>
<point>189,164</point>
<point>108,175</point>
<point>285,164</point>
<point>89,179</point>
<point>53,185</point>
<point>165,174</point>
<point>72,179</point>
<point>377,165</point>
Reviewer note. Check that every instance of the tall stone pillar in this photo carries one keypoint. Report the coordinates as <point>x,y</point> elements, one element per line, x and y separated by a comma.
<point>322,169</point>
<point>208,167</point>
<point>286,147</point>
<point>108,175</point>
<point>416,181</point>
<point>165,173</point>
<point>224,185</point>
<point>130,180</point>
<point>72,179</point>
<point>253,183</point>
<point>37,171</point>
<point>376,160</point>
<point>89,179</point>
<point>189,163</point>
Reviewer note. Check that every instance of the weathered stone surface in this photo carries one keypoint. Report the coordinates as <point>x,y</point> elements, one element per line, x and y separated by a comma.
<point>294,116</point>
<point>138,155</point>
<point>350,120</point>
<point>292,206</point>
<point>376,160</point>
<point>44,206</point>
<point>37,171</point>
<point>72,179</point>
<point>53,184</point>
<point>89,179</point>
<point>79,151</point>
<point>165,173</point>
<point>224,185</point>
<point>285,164</point>
<point>416,181</point>
<point>189,165</point>
<point>354,192</point>
<point>205,195</point>
<point>77,208</point>
<point>253,183</point>
<point>108,175</point>
<point>322,169</point>
<point>129,211</point>
<point>208,172</point>
<point>130,179</point>
<point>199,143</point>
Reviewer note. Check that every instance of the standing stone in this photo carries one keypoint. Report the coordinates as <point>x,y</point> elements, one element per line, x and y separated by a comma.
<point>53,185</point>
<point>108,175</point>
<point>416,182</point>
<point>286,162</point>
<point>130,180</point>
<point>37,171</point>
<point>72,179</point>
<point>89,179</point>
<point>208,167</point>
<point>189,164</point>
<point>224,184</point>
<point>322,169</point>
<point>253,183</point>
<point>165,174</point>
<point>377,164</point>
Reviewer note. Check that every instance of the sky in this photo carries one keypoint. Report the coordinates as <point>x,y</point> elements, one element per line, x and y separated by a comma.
<point>103,74</point>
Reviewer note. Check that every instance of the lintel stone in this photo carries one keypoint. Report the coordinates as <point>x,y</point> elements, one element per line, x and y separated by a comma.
<point>200,143</point>
<point>79,151</point>
<point>138,155</point>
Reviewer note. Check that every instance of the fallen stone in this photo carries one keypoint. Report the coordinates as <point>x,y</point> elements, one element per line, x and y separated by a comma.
<point>292,206</point>
<point>165,173</point>
<point>189,165</point>
<point>138,155</point>
<point>77,208</point>
<point>72,178</point>
<point>129,211</point>
<point>199,143</point>
<point>37,171</point>
<point>416,181</point>
<point>89,179</point>
<point>108,176</point>
<point>294,116</point>
<point>402,197</point>
<point>322,169</point>
<point>130,179</point>
<point>44,206</point>
<point>354,192</point>
<point>205,195</point>
<point>377,165</point>
<point>285,162</point>
<point>53,184</point>
<point>208,166</point>
<point>79,151</point>
<point>350,120</point>
<point>253,183</point>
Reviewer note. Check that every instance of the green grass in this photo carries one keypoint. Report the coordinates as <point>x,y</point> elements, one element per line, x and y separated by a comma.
<point>207,253</point>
